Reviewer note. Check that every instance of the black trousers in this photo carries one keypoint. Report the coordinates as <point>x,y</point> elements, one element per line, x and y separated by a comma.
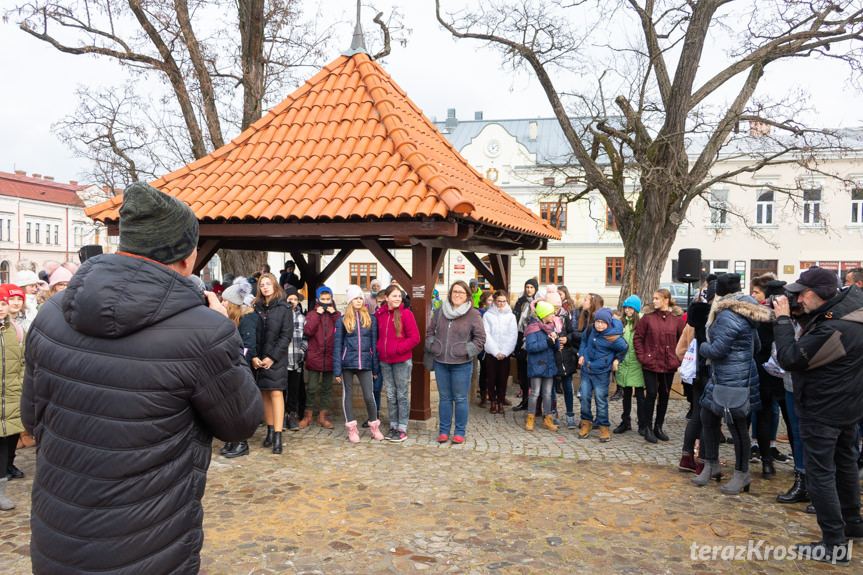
<point>295,398</point>
<point>739,433</point>
<point>830,454</point>
<point>769,388</point>
<point>656,385</point>
<point>8,445</point>
<point>627,405</point>
<point>694,425</point>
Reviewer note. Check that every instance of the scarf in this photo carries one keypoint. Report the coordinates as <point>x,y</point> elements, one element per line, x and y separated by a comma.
<point>535,326</point>
<point>452,313</point>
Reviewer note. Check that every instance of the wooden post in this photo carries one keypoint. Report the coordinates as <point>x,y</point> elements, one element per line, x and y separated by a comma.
<point>422,286</point>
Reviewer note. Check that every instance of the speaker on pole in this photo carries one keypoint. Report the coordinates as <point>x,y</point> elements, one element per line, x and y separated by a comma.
<point>87,252</point>
<point>689,265</point>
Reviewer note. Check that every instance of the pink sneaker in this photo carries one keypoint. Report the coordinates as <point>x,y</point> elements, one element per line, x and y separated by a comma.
<point>442,438</point>
<point>457,439</point>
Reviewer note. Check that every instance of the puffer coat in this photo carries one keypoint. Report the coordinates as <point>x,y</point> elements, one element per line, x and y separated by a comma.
<point>357,350</point>
<point>541,360</point>
<point>12,373</point>
<point>629,372</point>
<point>320,329</point>
<point>732,341</point>
<point>656,338</point>
<point>275,331</point>
<point>128,377</point>
<point>600,349</point>
<point>501,331</point>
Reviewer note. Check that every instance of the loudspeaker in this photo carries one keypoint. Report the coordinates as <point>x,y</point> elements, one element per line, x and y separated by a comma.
<point>689,265</point>
<point>88,252</point>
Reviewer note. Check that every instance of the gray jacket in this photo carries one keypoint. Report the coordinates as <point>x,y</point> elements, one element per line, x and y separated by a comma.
<point>453,336</point>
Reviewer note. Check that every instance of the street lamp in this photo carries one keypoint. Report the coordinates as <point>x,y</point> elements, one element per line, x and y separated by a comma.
<point>521,259</point>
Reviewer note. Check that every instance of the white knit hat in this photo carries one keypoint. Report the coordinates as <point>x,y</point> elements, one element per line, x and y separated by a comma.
<point>353,292</point>
<point>26,278</point>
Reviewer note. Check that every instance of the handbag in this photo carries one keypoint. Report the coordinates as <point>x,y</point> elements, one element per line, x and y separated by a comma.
<point>771,366</point>
<point>734,401</point>
<point>689,365</point>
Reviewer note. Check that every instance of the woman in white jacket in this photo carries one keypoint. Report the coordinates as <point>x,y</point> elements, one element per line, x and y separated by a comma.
<point>29,282</point>
<point>501,334</point>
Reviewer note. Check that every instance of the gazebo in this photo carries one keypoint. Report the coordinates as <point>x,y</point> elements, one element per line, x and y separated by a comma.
<point>349,162</point>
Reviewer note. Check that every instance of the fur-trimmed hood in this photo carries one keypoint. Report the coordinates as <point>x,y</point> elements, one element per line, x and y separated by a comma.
<point>744,306</point>
<point>675,310</point>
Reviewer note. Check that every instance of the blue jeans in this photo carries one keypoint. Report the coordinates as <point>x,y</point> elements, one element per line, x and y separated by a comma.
<point>453,386</point>
<point>568,394</point>
<point>397,377</point>
<point>595,384</point>
<point>797,446</point>
<point>377,387</point>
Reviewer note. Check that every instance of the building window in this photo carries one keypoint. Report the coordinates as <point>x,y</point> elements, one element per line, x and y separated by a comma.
<point>548,181</point>
<point>37,233</point>
<point>363,274</point>
<point>613,271</point>
<point>571,180</point>
<point>812,206</point>
<point>482,283</point>
<point>764,208</point>
<point>9,230</point>
<point>28,232</point>
<point>857,206</point>
<point>554,213</point>
<point>761,267</point>
<point>551,271</point>
<point>610,222</point>
<point>57,235</point>
<point>719,207</point>
<point>4,272</point>
<point>719,267</point>
<point>440,278</point>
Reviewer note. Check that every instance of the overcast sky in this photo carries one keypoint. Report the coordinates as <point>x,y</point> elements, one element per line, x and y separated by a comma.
<point>436,71</point>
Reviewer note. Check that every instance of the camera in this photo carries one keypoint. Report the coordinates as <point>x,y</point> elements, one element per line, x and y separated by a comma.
<point>777,288</point>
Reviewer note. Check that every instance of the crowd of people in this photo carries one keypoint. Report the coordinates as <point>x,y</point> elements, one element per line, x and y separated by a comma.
<point>139,353</point>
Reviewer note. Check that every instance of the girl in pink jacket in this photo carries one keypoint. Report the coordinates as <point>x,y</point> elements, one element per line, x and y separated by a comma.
<point>397,336</point>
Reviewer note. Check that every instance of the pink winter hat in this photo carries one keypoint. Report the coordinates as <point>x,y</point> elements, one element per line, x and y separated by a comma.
<point>60,275</point>
<point>553,298</point>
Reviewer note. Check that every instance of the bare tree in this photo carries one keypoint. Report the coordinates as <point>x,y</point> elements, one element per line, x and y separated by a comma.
<point>660,109</point>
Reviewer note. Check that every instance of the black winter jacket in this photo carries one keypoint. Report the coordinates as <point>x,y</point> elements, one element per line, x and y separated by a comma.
<point>827,360</point>
<point>128,377</point>
<point>275,331</point>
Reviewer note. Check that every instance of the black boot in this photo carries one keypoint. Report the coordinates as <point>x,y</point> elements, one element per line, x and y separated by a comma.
<point>797,493</point>
<point>648,434</point>
<point>642,429</point>
<point>521,406</point>
<point>622,428</point>
<point>277,442</point>
<point>618,395</point>
<point>268,440</point>
<point>228,446</point>
<point>660,435</point>
<point>767,469</point>
<point>238,449</point>
<point>13,472</point>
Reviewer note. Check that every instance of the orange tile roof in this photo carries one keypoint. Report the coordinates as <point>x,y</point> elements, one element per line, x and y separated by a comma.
<point>348,144</point>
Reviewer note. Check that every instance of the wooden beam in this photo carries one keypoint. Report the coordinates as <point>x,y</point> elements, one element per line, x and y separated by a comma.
<point>438,255</point>
<point>483,270</point>
<point>334,265</point>
<point>317,230</point>
<point>501,267</point>
<point>389,262</point>
<point>421,302</point>
<point>206,251</point>
<point>473,245</point>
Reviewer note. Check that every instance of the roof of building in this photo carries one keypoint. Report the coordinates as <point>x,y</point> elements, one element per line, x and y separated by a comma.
<point>30,188</point>
<point>347,145</point>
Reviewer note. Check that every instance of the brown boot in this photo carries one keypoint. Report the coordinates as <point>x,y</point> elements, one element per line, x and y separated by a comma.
<point>586,424</point>
<point>548,422</point>
<point>483,399</point>
<point>604,435</point>
<point>324,421</point>
<point>529,423</point>
<point>306,420</point>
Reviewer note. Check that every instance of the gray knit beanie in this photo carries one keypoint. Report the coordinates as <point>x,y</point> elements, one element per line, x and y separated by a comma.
<point>155,225</point>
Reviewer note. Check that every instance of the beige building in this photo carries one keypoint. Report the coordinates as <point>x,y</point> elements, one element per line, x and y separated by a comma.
<point>42,220</point>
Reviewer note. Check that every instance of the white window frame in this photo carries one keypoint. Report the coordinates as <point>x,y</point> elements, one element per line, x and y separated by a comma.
<point>857,205</point>
<point>719,208</point>
<point>765,210</point>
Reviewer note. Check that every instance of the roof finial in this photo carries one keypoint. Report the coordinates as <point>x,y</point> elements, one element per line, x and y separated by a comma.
<point>358,44</point>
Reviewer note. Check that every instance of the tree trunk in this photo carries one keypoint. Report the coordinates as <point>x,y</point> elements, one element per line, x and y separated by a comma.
<point>242,262</point>
<point>251,13</point>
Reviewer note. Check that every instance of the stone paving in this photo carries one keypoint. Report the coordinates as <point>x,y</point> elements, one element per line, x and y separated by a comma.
<point>507,501</point>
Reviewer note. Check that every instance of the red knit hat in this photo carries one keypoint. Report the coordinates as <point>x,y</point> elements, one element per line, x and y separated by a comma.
<point>13,290</point>
<point>4,293</point>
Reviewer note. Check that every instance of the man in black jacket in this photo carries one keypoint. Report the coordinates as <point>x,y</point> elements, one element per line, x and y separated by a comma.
<point>828,397</point>
<point>129,373</point>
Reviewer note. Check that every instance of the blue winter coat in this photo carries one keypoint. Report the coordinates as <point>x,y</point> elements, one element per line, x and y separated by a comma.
<point>540,353</point>
<point>731,331</point>
<point>357,350</point>
<point>600,349</point>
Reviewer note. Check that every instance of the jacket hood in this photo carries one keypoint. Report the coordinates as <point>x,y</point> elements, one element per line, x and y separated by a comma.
<point>697,314</point>
<point>675,310</point>
<point>115,295</point>
<point>847,306</point>
<point>744,306</point>
<point>497,311</point>
<point>615,328</point>
<point>385,309</point>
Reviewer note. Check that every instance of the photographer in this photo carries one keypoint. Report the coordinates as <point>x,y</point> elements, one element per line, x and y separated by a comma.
<point>828,397</point>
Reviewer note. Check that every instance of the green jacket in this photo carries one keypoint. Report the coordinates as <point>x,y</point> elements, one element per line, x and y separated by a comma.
<point>629,371</point>
<point>11,378</point>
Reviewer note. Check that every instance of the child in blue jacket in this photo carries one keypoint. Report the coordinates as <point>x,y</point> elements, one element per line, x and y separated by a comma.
<point>602,349</point>
<point>540,342</point>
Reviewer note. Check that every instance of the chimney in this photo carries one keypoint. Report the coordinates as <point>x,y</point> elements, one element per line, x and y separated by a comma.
<point>49,178</point>
<point>73,182</point>
<point>20,172</point>
<point>451,120</point>
<point>37,176</point>
<point>758,129</point>
<point>106,189</point>
<point>531,130</point>
<point>477,115</point>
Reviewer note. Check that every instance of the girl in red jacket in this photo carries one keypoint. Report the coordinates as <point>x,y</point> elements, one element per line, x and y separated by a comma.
<point>397,336</point>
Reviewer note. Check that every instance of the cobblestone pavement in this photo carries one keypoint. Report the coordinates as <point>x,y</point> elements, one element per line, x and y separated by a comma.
<point>508,501</point>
